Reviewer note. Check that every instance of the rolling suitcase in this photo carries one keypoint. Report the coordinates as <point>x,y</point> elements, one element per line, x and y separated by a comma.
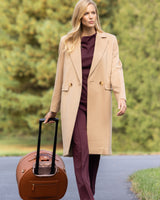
<point>41,174</point>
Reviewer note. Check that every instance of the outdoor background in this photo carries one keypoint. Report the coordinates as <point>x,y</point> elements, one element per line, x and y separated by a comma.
<point>30,32</point>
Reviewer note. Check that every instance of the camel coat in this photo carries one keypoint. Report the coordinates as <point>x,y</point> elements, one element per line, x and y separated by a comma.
<point>106,75</point>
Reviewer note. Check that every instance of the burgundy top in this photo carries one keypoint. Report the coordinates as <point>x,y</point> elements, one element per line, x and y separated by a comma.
<point>87,50</point>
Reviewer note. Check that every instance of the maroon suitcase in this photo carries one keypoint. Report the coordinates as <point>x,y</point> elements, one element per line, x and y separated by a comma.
<point>41,174</point>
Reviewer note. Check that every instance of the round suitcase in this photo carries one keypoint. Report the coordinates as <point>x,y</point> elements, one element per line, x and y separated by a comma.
<point>42,174</point>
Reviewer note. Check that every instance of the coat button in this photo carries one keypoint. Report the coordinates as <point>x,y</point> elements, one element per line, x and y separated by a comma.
<point>70,84</point>
<point>101,82</point>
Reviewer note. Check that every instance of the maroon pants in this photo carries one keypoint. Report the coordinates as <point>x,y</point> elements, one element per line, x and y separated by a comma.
<point>85,164</point>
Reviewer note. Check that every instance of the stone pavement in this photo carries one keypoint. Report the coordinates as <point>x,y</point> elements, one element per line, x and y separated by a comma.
<point>112,179</point>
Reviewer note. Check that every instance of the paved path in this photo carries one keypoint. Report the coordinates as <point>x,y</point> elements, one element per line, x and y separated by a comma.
<point>112,183</point>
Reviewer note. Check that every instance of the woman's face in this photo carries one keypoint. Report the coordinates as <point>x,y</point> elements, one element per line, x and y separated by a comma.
<point>90,17</point>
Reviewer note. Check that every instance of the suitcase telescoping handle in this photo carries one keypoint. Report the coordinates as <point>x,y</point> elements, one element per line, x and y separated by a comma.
<point>54,146</point>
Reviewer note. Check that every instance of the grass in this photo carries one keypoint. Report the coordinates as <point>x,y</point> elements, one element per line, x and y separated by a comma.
<point>20,146</point>
<point>146,184</point>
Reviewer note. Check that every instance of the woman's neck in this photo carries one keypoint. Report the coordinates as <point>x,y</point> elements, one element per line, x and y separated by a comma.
<point>88,31</point>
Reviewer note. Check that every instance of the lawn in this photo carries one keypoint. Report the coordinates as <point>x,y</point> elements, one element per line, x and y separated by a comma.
<point>146,184</point>
<point>19,146</point>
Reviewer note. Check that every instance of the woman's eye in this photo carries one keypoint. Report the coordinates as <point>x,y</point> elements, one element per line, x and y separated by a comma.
<point>94,12</point>
<point>86,13</point>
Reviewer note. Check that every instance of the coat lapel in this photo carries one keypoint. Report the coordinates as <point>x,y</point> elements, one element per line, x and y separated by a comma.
<point>76,60</point>
<point>100,46</point>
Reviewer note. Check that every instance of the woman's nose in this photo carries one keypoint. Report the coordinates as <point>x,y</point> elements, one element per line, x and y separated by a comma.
<point>90,16</point>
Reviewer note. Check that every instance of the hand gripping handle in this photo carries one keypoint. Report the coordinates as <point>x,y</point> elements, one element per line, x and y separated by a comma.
<point>54,145</point>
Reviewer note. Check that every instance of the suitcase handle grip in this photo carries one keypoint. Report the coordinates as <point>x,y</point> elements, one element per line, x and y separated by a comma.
<point>50,119</point>
<point>54,145</point>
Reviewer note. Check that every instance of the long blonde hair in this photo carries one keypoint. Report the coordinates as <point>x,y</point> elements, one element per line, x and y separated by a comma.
<point>74,35</point>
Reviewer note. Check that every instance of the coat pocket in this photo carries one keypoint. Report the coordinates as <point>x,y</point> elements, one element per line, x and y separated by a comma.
<point>107,87</point>
<point>65,87</point>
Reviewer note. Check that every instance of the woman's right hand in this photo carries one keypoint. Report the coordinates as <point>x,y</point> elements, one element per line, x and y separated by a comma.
<point>48,116</point>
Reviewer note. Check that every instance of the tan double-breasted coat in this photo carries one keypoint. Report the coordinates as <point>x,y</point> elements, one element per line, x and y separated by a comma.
<point>106,75</point>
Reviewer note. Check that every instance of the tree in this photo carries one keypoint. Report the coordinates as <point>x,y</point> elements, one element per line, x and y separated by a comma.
<point>30,34</point>
<point>30,31</point>
<point>137,28</point>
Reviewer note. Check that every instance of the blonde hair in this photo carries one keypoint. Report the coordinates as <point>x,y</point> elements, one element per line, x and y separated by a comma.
<point>74,35</point>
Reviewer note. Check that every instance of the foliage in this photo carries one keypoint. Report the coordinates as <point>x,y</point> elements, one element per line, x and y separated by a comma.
<point>137,28</point>
<point>30,31</point>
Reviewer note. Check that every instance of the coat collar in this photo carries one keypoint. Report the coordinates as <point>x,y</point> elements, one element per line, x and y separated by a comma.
<point>100,45</point>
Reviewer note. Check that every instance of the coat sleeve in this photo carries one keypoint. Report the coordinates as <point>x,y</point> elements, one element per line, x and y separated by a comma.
<point>56,96</point>
<point>117,78</point>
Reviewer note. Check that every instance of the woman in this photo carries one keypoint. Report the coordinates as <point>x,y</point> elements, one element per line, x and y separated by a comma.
<point>88,69</point>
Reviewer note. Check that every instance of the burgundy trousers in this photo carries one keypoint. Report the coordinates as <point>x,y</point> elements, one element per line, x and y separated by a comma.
<point>85,164</point>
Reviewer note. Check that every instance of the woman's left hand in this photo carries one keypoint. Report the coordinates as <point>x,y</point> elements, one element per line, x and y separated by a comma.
<point>122,107</point>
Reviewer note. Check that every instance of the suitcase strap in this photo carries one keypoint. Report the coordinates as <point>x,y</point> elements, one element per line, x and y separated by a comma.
<point>54,146</point>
